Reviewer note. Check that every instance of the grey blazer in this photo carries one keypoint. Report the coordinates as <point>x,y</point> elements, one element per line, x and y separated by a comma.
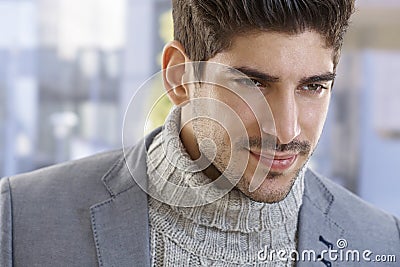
<point>91,212</point>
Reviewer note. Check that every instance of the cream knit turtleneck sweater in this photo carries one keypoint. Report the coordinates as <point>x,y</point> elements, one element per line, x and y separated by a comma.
<point>230,231</point>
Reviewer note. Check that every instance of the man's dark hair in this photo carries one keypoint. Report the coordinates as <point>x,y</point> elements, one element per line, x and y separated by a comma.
<point>206,27</point>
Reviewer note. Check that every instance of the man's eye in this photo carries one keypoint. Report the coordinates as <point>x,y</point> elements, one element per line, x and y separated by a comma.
<point>250,82</point>
<point>313,88</point>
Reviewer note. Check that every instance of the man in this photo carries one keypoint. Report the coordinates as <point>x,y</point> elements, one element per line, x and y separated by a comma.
<point>226,177</point>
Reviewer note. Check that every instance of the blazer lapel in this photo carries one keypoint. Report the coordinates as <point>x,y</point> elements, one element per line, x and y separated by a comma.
<point>120,228</point>
<point>317,230</point>
<point>120,224</point>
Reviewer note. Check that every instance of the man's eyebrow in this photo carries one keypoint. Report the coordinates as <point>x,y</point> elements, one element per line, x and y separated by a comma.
<point>265,77</point>
<point>325,77</point>
<point>253,73</point>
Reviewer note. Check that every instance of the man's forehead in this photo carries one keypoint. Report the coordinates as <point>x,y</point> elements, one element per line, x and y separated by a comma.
<point>278,53</point>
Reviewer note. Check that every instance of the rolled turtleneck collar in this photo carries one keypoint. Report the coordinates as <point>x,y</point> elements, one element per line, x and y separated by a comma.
<point>275,224</point>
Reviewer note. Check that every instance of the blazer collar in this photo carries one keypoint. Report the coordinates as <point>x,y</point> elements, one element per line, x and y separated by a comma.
<point>317,230</point>
<point>120,224</point>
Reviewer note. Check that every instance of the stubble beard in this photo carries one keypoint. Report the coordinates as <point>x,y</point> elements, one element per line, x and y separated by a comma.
<point>272,195</point>
<point>240,179</point>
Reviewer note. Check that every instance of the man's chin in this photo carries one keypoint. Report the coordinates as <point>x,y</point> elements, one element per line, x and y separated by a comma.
<point>273,189</point>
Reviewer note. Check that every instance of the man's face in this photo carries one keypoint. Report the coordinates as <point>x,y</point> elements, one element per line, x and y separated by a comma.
<point>293,74</point>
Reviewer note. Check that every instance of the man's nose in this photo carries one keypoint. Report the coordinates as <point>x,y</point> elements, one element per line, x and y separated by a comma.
<point>286,118</point>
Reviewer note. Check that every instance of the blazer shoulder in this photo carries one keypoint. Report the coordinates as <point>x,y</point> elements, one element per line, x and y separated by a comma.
<point>104,174</point>
<point>92,167</point>
<point>69,182</point>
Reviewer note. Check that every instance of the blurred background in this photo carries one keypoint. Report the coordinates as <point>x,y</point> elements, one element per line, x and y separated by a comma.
<point>68,69</point>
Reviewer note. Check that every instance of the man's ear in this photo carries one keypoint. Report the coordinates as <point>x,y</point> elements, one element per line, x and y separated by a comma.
<point>173,66</point>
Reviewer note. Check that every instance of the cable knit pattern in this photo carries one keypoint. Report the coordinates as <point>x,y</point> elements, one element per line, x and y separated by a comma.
<point>228,232</point>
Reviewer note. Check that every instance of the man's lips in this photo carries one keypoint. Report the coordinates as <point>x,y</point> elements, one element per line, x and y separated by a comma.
<point>277,162</point>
